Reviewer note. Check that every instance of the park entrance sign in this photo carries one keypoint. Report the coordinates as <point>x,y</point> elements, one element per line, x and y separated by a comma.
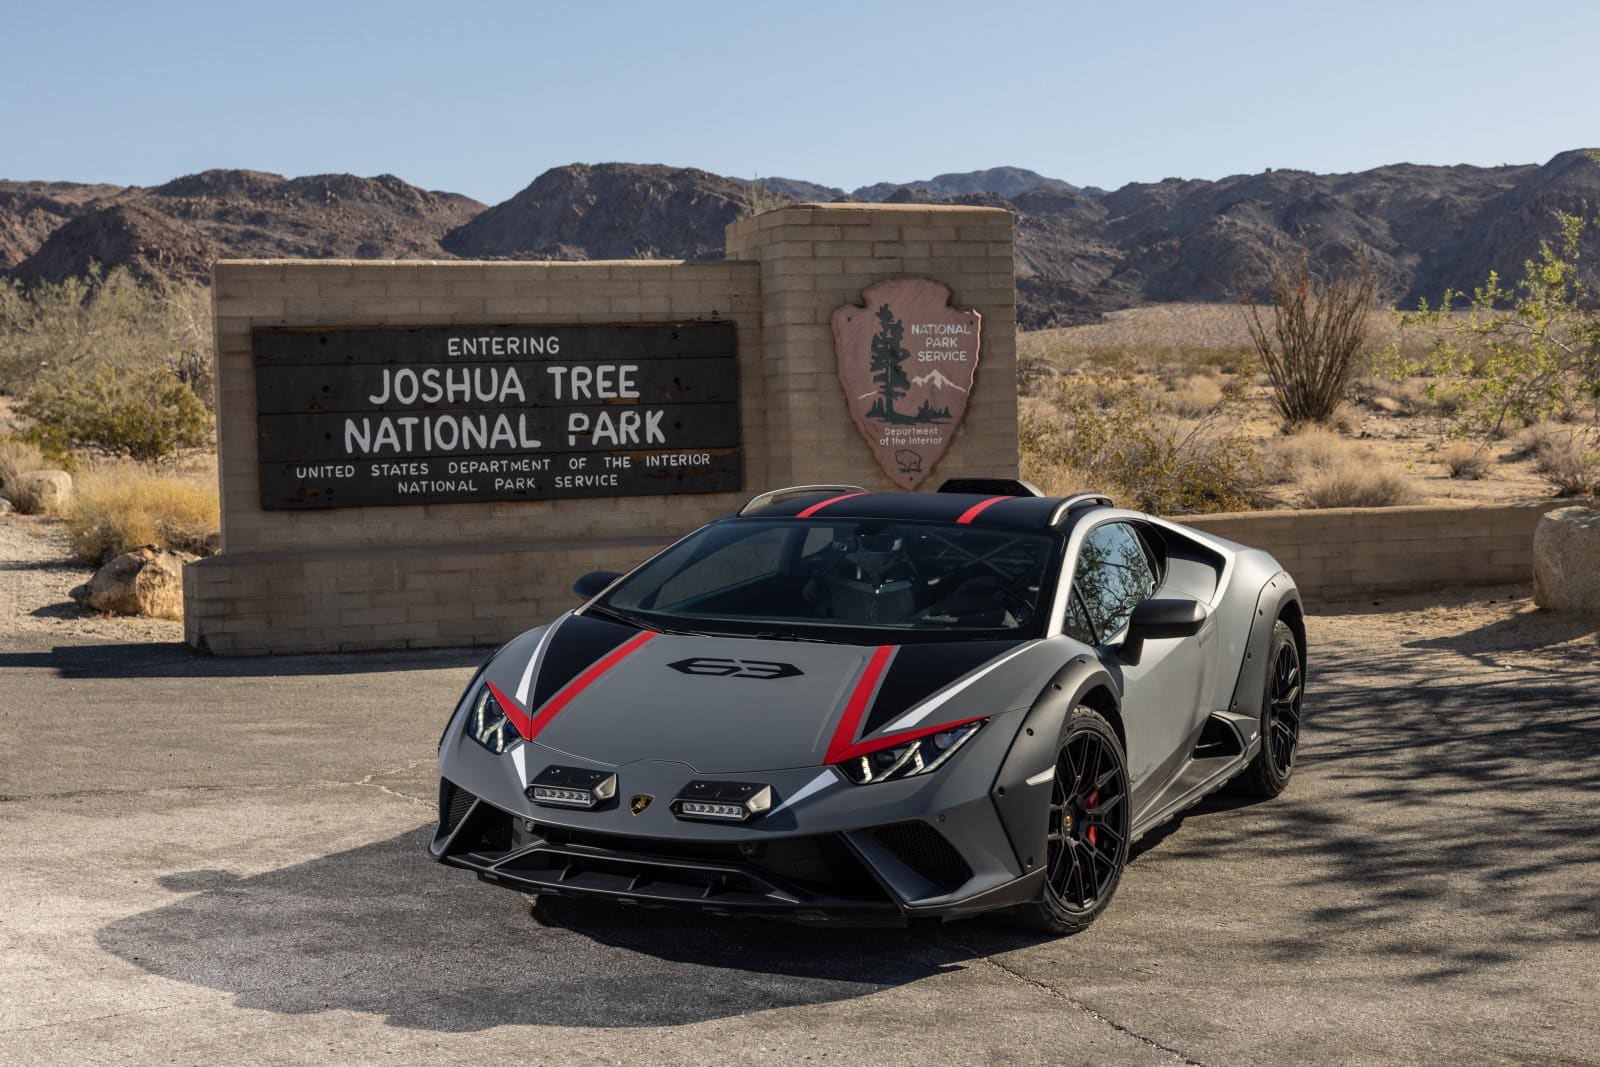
<point>427,453</point>
<point>391,416</point>
<point>907,361</point>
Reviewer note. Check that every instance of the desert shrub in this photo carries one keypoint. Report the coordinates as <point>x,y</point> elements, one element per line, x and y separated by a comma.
<point>1566,457</point>
<point>1357,484</point>
<point>1466,461</point>
<point>1336,472</point>
<point>1194,397</point>
<point>122,506</point>
<point>17,458</point>
<point>1100,430</point>
<point>109,320</point>
<point>1318,330</point>
<point>143,414</point>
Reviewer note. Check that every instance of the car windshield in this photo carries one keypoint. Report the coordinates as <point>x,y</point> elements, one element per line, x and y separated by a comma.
<point>818,578</point>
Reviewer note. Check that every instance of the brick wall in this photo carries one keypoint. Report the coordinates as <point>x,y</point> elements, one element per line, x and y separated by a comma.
<point>814,258</point>
<point>452,574</point>
<point>1347,553</point>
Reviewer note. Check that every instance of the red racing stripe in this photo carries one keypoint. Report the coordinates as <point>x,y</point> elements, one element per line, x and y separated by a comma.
<point>862,748</point>
<point>814,508</point>
<point>856,707</point>
<point>975,510</point>
<point>570,691</point>
<point>514,711</point>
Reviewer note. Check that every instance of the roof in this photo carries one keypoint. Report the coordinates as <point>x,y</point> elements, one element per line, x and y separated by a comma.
<point>1007,511</point>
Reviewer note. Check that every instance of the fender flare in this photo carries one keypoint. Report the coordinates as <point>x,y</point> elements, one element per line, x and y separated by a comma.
<point>1023,807</point>
<point>1276,595</point>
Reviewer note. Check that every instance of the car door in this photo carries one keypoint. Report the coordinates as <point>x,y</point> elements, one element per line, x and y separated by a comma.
<point>1162,703</point>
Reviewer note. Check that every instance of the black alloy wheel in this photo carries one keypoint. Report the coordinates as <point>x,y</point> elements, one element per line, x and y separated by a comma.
<point>1086,839</point>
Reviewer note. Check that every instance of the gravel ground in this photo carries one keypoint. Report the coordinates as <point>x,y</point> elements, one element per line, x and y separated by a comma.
<point>213,860</point>
<point>36,573</point>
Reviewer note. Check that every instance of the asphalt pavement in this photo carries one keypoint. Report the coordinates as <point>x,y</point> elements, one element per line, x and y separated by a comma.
<point>211,860</point>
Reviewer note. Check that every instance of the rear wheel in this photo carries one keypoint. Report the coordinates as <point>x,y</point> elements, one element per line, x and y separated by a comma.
<point>1268,773</point>
<point>1087,833</point>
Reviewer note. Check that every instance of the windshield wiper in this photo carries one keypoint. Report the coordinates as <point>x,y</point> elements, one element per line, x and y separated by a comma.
<point>639,623</point>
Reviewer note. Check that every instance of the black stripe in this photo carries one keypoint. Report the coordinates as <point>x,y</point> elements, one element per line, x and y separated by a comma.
<point>918,671</point>
<point>579,642</point>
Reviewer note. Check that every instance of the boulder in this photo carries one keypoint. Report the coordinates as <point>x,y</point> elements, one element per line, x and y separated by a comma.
<point>146,581</point>
<point>46,492</point>
<point>1566,560</point>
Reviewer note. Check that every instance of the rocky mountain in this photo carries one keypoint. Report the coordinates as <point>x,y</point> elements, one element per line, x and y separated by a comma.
<point>1005,181</point>
<point>176,230</point>
<point>608,211</point>
<point>1080,252</point>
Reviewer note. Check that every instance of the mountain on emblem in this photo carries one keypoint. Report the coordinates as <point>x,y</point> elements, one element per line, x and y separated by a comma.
<point>907,361</point>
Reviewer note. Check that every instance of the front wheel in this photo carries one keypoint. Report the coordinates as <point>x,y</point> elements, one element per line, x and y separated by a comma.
<point>1268,773</point>
<point>1087,833</point>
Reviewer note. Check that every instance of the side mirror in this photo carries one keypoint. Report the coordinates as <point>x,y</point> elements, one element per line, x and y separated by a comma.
<point>1161,617</point>
<point>593,584</point>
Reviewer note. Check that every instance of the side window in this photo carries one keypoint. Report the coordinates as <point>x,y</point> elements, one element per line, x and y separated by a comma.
<point>1113,575</point>
<point>1078,627</point>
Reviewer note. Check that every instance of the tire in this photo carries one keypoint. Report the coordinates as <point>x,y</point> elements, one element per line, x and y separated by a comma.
<point>1087,833</point>
<point>1281,699</point>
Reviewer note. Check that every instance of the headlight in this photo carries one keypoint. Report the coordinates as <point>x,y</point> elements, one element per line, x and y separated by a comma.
<point>488,725</point>
<point>909,757</point>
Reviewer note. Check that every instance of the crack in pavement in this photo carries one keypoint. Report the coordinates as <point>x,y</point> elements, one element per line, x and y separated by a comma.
<point>411,766</point>
<point>9,1031</point>
<point>1050,990</point>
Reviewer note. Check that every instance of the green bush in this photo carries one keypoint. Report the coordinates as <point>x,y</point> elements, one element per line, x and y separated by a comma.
<point>144,414</point>
<point>107,320</point>
<point>1102,430</point>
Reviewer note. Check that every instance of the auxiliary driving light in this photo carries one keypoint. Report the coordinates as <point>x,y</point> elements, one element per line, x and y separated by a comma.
<point>722,801</point>
<point>571,787</point>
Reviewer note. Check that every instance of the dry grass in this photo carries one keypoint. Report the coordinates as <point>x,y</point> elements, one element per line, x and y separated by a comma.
<point>1194,397</point>
<point>1567,457</point>
<point>19,458</point>
<point>1466,461</point>
<point>122,506</point>
<point>1336,472</point>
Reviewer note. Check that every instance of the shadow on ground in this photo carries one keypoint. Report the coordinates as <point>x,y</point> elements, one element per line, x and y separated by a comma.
<point>174,659</point>
<point>1444,813</point>
<point>381,929</point>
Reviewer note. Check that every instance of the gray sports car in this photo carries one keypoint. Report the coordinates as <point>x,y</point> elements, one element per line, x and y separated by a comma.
<point>878,707</point>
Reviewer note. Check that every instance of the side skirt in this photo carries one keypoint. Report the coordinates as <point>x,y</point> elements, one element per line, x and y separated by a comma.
<point>1198,779</point>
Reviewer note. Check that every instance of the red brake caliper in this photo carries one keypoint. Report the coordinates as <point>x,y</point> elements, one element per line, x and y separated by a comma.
<point>1094,798</point>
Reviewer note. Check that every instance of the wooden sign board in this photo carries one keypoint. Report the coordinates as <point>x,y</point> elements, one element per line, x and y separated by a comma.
<point>373,417</point>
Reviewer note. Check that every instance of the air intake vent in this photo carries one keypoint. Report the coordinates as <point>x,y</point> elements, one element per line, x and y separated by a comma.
<point>925,850</point>
<point>990,487</point>
<point>454,805</point>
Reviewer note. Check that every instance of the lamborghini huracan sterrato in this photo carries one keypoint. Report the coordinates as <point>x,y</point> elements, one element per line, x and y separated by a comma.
<point>878,707</point>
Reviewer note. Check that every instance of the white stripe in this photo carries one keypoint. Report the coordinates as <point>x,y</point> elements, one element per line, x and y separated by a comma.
<point>520,758</point>
<point>943,697</point>
<point>1043,776</point>
<point>533,661</point>
<point>817,783</point>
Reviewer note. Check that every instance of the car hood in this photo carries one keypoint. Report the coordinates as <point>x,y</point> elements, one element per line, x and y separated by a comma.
<point>612,695</point>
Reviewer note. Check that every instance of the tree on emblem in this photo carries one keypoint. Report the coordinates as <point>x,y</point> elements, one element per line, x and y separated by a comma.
<point>888,355</point>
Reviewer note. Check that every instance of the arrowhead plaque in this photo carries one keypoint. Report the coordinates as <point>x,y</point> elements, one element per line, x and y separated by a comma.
<point>907,361</point>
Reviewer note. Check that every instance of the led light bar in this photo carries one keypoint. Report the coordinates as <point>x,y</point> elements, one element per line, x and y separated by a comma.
<point>722,801</point>
<point>572,787</point>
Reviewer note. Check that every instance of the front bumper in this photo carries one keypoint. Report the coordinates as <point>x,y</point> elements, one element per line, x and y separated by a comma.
<point>851,878</point>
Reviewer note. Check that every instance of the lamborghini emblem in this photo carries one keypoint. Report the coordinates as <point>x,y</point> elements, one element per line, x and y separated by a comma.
<point>639,802</point>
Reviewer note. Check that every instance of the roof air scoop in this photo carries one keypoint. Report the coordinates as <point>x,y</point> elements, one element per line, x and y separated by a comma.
<point>990,487</point>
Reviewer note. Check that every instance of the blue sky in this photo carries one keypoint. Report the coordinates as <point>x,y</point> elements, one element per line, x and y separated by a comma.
<point>479,98</point>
